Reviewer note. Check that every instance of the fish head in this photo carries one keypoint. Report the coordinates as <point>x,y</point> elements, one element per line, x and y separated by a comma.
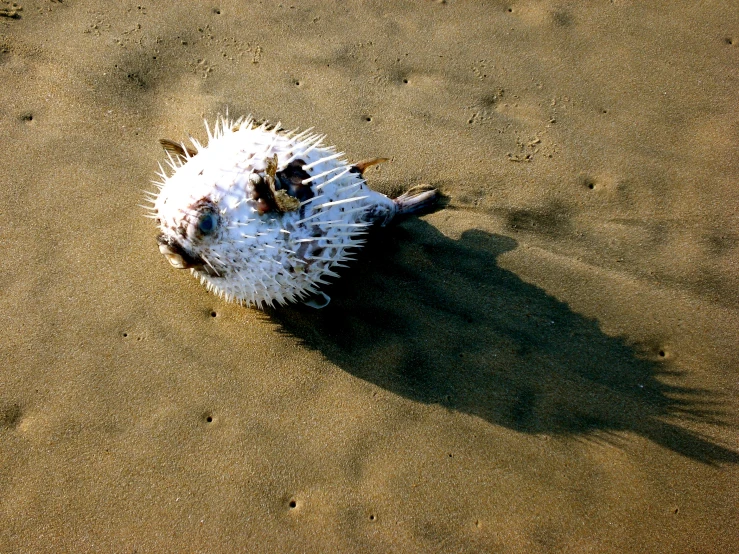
<point>189,234</point>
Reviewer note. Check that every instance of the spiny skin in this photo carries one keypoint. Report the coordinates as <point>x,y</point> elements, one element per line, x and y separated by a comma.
<point>220,212</point>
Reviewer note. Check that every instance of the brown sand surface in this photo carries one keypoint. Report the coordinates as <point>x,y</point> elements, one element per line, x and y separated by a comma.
<point>548,364</point>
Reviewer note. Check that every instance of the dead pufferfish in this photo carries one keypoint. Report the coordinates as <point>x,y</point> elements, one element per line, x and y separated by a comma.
<point>261,215</point>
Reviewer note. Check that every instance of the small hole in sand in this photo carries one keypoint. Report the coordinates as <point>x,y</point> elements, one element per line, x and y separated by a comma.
<point>729,41</point>
<point>217,11</point>
<point>586,181</point>
<point>405,81</point>
<point>292,504</point>
<point>209,419</point>
<point>368,118</point>
<point>125,335</point>
<point>27,117</point>
<point>213,314</point>
<point>450,455</point>
<point>372,517</point>
<point>510,10</point>
<point>662,353</point>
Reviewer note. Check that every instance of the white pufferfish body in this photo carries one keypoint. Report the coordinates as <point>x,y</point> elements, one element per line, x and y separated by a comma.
<point>263,216</point>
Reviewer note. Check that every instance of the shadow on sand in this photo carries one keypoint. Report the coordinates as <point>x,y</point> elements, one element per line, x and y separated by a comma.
<point>437,320</point>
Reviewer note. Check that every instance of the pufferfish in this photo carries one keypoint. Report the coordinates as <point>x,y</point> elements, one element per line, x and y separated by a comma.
<point>261,215</point>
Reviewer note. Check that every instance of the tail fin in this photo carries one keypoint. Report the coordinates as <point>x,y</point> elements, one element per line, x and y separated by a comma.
<point>417,199</point>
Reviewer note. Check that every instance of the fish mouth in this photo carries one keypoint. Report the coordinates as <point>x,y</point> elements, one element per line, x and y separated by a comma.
<point>177,260</point>
<point>177,256</point>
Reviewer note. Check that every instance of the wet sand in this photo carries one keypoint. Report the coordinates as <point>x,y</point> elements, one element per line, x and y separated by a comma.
<point>546,364</point>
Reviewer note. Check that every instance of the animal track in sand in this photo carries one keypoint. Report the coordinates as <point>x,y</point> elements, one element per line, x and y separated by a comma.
<point>12,11</point>
<point>486,107</point>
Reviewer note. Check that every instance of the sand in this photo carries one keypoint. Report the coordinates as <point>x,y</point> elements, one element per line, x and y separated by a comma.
<point>547,364</point>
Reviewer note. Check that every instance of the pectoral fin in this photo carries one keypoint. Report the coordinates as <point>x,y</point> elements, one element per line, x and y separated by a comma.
<point>360,167</point>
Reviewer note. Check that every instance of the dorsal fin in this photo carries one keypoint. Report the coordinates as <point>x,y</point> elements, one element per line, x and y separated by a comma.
<point>178,150</point>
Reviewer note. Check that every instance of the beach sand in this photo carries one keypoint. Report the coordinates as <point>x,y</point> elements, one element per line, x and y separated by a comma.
<point>547,364</point>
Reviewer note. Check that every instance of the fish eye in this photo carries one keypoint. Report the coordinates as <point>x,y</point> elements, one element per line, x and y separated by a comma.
<point>207,223</point>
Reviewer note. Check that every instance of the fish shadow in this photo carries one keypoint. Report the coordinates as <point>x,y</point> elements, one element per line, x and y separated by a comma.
<point>437,320</point>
